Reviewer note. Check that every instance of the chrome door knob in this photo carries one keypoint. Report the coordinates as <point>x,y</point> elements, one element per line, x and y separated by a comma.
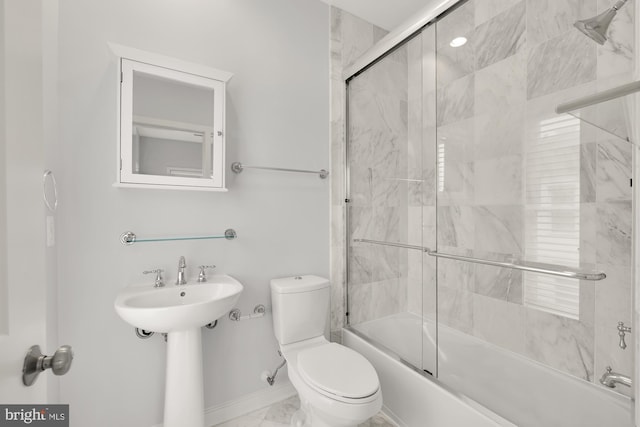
<point>36,362</point>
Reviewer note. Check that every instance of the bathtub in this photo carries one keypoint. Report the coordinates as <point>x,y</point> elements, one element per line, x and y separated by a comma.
<point>479,384</point>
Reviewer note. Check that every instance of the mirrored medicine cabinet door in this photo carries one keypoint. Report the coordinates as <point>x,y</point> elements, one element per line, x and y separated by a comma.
<point>171,128</point>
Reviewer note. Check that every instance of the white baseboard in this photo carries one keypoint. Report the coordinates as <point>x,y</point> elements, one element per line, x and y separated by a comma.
<point>246,404</point>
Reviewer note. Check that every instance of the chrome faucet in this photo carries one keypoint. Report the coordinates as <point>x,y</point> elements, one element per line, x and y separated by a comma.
<point>182,264</point>
<point>610,379</point>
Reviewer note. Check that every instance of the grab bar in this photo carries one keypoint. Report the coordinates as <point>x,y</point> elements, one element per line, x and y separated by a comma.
<point>551,269</point>
<point>238,167</point>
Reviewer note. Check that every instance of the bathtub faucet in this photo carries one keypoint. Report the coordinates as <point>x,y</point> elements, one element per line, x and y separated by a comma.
<point>610,379</point>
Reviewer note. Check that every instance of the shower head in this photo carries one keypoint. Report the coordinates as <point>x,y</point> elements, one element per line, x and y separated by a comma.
<point>596,28</point>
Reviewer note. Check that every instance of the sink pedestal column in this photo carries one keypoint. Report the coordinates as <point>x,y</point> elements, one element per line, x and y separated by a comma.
<point>184,391</point>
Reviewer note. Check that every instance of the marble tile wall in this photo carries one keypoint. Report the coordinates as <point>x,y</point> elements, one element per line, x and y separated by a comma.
<point>493,98</point>
<point>382,187</point>
<point>460,141</point>
<point>350,38</point>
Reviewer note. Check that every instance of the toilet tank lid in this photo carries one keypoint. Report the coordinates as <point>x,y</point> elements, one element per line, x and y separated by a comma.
<point>295,284</point>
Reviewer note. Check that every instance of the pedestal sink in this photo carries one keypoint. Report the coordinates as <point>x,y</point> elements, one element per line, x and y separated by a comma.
<point>180,311</point>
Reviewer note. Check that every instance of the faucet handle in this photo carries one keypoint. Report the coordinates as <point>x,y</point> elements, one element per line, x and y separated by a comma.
<point>621,333</point>
<point>159,282</point>
<point>201,276</point>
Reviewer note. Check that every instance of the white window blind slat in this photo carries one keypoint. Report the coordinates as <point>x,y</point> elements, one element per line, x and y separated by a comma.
<point>552,220</point>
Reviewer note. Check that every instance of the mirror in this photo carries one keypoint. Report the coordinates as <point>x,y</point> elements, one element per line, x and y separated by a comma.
<point>171,125</point>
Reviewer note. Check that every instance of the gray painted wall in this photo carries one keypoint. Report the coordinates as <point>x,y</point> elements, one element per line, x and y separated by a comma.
<point>277,115</point>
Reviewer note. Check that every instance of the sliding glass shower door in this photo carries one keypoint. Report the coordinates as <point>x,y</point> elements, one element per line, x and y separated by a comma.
<point>481,223</point>
<point>391,199</point>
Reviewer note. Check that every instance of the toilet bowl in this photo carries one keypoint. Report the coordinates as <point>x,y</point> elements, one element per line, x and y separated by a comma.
<point>337,386</point>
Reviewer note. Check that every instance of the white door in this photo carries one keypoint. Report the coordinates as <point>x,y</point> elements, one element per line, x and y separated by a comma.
<point>27,292</point>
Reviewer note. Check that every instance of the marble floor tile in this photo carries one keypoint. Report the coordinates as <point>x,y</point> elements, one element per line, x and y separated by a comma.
<point>279,415</point>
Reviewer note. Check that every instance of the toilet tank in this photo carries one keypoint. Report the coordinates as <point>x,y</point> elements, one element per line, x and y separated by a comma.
<point>300,307</point>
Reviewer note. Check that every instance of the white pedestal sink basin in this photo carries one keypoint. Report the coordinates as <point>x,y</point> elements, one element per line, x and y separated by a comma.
<point>180,311</point>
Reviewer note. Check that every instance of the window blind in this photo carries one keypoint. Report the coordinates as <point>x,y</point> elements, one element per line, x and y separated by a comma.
<point>552,214</point>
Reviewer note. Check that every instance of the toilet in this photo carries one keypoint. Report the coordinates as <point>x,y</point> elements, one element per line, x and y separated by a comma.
<point>337,386</point>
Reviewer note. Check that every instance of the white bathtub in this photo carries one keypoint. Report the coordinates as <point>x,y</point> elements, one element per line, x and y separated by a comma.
<point>524,393</point>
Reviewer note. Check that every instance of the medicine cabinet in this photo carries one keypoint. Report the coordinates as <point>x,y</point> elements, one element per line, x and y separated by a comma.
<point>171,123</point>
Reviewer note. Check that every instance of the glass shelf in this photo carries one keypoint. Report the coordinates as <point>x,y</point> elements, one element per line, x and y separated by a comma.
<point>610,110</point>
<point>129,237</point>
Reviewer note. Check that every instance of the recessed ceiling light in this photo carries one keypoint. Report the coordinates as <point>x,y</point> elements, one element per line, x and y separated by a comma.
<point>458,41</point>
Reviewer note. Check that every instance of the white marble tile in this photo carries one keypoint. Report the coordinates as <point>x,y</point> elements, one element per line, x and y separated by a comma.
<point>562,62</point>
<point>360,223</point>
<point>245,421</point>
<point>559,342</point>
<point>588,156</point>
<point>388,192</point>
<point>455,101</point>
<point>614,233</point>
<point>281,412</point>
<point>360,265</point>
<point>361,184</point>
<point>499,181</point>
<point>279,415</point>
<point>376,300</point>
<point>357,37</point>
<point>616,55</point>
<point>547,19</point>
<point>414,282</point>
<point>587,302</point>
<point>589,224</point>
<point>429,226</point>
<point>456,182</point>
<point>385,262</point>
<point>498,229</point>
<point>613,170</point>
<point>414,225</point>
<point>272,424</point>
<point>387,223</point>
<point>499,133</point>
<point>457,139</point>
<point>499,283</point>
<point>501,36</point>
<point>454,274</point>
<point>429,286</point>
<point>360,302</point>
<point>336,336</point>
<point>499,322</point>
<point>502,85</point>
<point>456,226</point>
<point>378,421</point>
<point>487,9</point>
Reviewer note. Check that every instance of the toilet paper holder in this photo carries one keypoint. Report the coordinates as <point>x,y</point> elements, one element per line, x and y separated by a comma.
<point>258,311</point>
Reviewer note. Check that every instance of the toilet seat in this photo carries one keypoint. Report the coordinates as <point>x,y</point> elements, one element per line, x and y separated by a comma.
<point>338,373</point>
